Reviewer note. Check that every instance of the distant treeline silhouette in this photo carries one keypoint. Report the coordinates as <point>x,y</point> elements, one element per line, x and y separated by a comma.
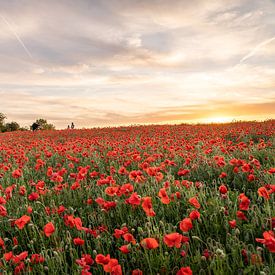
<point>39,124</point>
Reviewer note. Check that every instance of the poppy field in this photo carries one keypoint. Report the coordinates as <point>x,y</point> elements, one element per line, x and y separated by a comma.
<point>167,199</point>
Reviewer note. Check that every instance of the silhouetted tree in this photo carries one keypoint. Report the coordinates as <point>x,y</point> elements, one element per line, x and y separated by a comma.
<point>44,125</point>
<point>11,126</point>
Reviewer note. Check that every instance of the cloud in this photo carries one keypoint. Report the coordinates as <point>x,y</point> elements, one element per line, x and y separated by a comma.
<point>126,60</point>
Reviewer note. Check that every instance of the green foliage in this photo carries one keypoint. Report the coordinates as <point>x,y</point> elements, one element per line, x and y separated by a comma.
<point>44,125</point>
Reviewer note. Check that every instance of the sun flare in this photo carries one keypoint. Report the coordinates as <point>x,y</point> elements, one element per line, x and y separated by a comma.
<point>218,119</point>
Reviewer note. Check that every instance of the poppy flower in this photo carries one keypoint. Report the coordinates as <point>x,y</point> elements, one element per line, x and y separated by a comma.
<point>8,256</point>
<point>134,199</point>
<point>244,202</point>
<point>223,189</point>
<point>185,271</point>
<point>21,222</point>
<point>241,216</point>
<point>49,229</point>
<point>102,260</point>
<point>78,241</point>
<point>3,211</point>
<point>268,241</point>
<point>149,243</point>
<point>262,191</point>
<point>128,237</point>
<point>124,249</point>
<point>232,223</point>
<point>173,240</point>
<point>193,201</point>
<point>194,215</point>
<point>163,196</point>
<point>186,225</point>
<point>148,207</point>
<point>33,196</point>
<point>110,265</point>
<point>37,258</point>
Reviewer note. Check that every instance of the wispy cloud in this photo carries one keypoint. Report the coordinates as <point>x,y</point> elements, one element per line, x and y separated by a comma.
<point>16,36</point>
<point>257,48</point>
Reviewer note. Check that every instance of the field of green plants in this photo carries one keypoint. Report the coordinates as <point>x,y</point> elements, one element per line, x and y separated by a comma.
<point>169,199</point>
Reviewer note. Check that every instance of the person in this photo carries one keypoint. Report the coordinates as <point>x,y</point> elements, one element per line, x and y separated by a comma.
<point>68,127</point>
<point>72,125</point>
<point>35,126</point>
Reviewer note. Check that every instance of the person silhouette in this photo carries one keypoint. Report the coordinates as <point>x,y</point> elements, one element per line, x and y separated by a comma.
<point>72,125</point>
<point>35,126</point>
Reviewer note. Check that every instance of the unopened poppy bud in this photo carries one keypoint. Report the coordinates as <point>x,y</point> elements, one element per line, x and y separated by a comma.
<point>140,230</point>
<point>46,268</point>
<point>237,231</point>
<point>259,249</point>
<point>15,247</point>
<point>203,258</point>
<point>166,253</point>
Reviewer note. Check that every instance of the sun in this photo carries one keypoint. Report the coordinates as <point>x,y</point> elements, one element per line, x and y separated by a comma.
<point>218,119</point>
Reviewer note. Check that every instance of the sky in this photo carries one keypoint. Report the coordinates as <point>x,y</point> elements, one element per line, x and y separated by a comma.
<point>121,62</point>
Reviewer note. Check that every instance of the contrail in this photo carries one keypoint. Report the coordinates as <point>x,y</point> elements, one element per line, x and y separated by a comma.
<point>251,53</point>
<point>16,36</point>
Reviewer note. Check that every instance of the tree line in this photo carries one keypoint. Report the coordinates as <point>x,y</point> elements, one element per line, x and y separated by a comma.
<point>14,126</point>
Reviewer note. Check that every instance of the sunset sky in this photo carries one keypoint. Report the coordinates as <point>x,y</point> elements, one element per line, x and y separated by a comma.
<point>118,62</point>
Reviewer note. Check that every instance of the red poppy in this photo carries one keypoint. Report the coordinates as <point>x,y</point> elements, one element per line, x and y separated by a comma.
<point>129,238</point>
<point>49,229</point>
<point>163,195</point>
<point>148,207</point>
<point>37,258</point>
<point>244,202</point>
<point>194,215</point>
<point>193,201</point>
<point>186,225</point>
<point>268,241</point>
<point>185,271</point>
<point>33,196</point>
<point>223,189</point>
<point>78,241</point>
<point>124,249</point>
<point>262,191</point>
<point>102,260</point>
<point>134,199</point>
<point>232,223</point>
<point>173,240</point>
<point>21,222</point>
<point>149,243</point>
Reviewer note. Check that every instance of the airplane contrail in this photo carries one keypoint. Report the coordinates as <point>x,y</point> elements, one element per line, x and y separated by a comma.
<point>17,36</point>
<point>252,52</point>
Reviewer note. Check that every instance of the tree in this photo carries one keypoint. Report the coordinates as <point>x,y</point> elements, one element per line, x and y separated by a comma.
<point>11,126</point>
<point>44,125</point>
<point>2,121</point>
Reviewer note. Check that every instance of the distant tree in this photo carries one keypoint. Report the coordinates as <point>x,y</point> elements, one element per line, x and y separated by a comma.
<point>11,126</point>
<point>44,125</point>
<point>2,122</point>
